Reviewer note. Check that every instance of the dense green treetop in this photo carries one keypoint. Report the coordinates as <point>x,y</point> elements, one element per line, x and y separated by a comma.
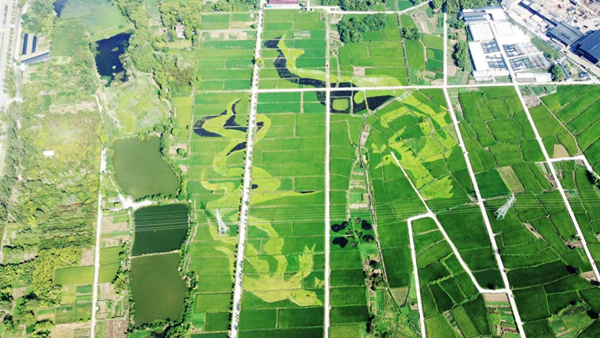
<point>461,54</point>
<point>557,73</point>
<point>350,30</point>
<point>39,18</point>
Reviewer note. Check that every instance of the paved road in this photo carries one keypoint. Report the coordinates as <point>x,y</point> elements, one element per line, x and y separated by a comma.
<point>416,273</point>
<point>97,247</point>
<point>582,158</point>
<point>243,228</point>
<point>559,186</point>
<point>445,234</point>
<point>327,304</point>
<point>486,220</point>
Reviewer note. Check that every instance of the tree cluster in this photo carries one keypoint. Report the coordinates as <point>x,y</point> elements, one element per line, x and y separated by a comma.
<point>351,30</point>
<point>461,54</point>
<point>140,48</point>
<point>39,18</point>
<point>234,5</point>
<point>185,13</point>
<point>557,73</point>
<point>410,33</point>
<point>455,6</point>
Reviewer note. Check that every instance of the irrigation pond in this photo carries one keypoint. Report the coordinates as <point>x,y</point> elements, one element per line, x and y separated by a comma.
<point>157,288</point>
<point>140,169</point>
<point>160,228</point>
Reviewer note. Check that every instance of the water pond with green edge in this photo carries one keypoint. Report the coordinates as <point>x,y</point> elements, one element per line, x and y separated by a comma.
<point>157,288</point>
<point>140,169</point>
<point>160,228</point>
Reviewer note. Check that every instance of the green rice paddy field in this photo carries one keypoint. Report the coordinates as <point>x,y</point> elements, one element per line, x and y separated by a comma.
<point>533,237</point>
<point>378,60</point>
<point>569,118</point>
<point>447,291</point>
<point>299,37</point>
<point>284,279</point>
<point>217,151</point>
<point>224,58</point>
<point>425,55</point>
<point>419,131</point>
<point>583,197</point>
<point>352,242</point>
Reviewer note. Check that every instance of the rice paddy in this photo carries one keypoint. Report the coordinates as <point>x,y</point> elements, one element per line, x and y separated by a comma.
<point>284,252</point>
<point>225,51</point>
<point>294,50</point>
<point>535,236</point>
<point>394,155</point>
<point>569,124</point>
<point>378,60</point>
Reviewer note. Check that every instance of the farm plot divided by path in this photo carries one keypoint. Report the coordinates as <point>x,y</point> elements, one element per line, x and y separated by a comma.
<point>225,51</point>
<point>284,267</point>
<point>293,50</point>
<point>448,293</point>
<point>568,122</point>
<point>377,60</point>
<point>372,200</point>
<point>353,244</point>
<point>418,129</point>
<point>535,238</point>
<point>584,199</point>
<point>425,51</point>
<point>217,146</point>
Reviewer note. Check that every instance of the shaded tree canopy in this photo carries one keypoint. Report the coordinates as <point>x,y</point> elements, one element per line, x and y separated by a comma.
<point>350,30</point>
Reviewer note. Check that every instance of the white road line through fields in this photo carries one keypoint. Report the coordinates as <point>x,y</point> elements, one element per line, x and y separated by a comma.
<point>486,220</point>
<point>327,304</point>
<point>559,185</point>
<point>243,230</point>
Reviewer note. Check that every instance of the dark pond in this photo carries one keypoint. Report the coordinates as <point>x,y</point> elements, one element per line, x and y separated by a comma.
<point>366,225</point>
<point>59,5</point>
<point>107,55</point>
<point>339,227</point>
<point>341,241</point>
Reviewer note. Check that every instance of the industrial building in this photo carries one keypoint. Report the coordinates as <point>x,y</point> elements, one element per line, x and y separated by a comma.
<point>564,33</point>
<point>555,28</point>
<point>589,47</point>
<point>283,3</point>
<point>498,47</point>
